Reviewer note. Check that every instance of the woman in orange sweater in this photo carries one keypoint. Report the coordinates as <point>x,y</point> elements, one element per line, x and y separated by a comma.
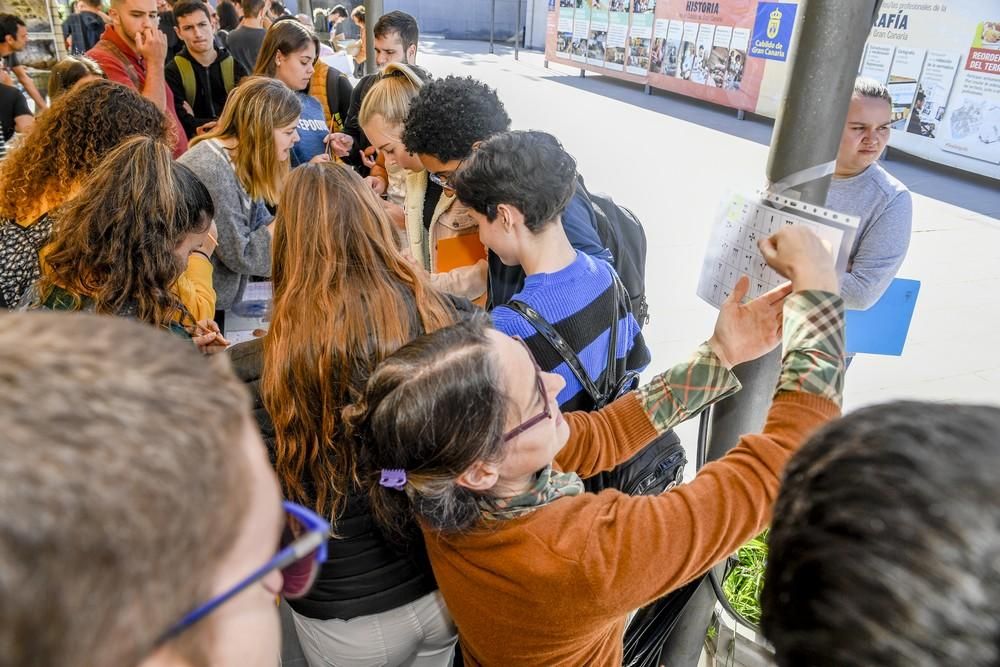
<point>534,570</point>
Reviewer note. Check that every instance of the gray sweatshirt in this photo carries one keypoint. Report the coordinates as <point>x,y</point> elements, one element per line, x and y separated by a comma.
<point>244,242</point>
<point>886,212</point>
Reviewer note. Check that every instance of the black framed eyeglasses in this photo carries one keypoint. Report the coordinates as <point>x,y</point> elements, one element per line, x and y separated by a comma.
<point>546,413</point>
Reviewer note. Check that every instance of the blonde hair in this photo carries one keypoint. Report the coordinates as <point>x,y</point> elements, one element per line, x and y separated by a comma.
<point>254,110</point>
<point>391,95</point>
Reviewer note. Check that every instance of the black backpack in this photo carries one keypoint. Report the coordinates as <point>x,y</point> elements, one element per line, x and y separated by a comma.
<point>621,232</point>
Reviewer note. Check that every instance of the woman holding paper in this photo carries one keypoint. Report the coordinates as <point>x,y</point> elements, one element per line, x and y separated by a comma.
<point>519,550</point>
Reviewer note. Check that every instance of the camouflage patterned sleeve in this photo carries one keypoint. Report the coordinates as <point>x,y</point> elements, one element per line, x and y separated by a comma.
<point>683,391</point>
<point>814,345</point>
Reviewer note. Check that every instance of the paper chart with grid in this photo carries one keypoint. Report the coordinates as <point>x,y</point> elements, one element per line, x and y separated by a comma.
<point>744,220</point>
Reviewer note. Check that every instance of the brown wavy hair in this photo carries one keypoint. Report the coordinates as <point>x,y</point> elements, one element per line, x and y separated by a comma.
<point>344,299</point>
<point>115,242</point>
<point>69,140</point>
<point>253,111</point>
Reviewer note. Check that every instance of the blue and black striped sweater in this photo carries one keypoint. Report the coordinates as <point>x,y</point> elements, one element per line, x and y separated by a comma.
<point>578,302</point>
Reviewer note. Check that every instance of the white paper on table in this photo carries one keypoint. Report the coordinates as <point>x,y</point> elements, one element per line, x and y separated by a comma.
<point>236,337</point>
<point>744,219</point>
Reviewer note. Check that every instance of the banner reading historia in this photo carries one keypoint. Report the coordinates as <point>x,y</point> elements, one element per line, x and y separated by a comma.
<point>701,50</point>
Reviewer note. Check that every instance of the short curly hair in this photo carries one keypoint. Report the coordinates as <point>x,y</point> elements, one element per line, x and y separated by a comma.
<point>450,115</point>
<point>70,139</point>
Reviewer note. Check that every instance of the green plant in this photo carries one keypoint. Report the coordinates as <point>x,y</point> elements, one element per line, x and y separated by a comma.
<point>745,579</point>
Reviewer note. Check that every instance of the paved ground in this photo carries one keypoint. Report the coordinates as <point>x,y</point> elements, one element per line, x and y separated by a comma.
<point>671,159</point>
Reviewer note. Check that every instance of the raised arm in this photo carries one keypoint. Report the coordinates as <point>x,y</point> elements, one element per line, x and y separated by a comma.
<point>600,440</point>
<point>640,548</point>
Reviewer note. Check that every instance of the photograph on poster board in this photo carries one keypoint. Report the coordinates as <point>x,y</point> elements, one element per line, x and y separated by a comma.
<point>672,54</point>
<point>564,43</point>
<point>737,58</point>
<point>687,50</point>
<point>622,6</point>
<point>718,60</point>
<point>932,93</point>
<point>658,51</point>
<point>597,37</point>
<point>596,47</point>
<point>902,86</point>
<point>616,49</point>
<point>703,53</point>
<point>638,56</point>
<point>643,6</point>
<point>581,33</point>
<point>877,61</point>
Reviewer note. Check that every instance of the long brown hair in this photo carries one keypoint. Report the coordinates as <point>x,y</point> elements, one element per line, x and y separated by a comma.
<point>114,243</point>
<point>254,110</point>
<point>288,37</point>
<point>69,140</point>
<point>344,299</point>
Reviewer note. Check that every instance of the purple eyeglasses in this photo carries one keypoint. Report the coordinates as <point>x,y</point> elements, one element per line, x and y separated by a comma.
<point>545,413</point>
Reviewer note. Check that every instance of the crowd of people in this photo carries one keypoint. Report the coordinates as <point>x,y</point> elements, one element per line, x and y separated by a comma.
<point>405,457</point>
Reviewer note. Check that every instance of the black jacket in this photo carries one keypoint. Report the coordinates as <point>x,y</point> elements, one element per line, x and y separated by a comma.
<point>353,127</point>
<point>210,90</point>
<point>366,572</point>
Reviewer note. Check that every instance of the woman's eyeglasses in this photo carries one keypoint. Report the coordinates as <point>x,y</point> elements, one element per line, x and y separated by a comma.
<point>302,551</point>
<point>545,414</point>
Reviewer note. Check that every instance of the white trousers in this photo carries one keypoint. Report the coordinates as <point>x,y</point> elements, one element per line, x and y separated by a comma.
<point>418,634</point>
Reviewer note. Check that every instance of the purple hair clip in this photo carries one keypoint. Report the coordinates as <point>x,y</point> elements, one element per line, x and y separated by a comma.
<point>393,478</point>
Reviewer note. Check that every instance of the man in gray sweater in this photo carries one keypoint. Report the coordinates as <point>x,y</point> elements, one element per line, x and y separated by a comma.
<point>863,188</point>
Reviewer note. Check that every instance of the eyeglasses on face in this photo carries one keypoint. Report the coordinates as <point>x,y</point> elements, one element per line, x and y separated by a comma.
<point>546,413</point>
<point>303,549</point>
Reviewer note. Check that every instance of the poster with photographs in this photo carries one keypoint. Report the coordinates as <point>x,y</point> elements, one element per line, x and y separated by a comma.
<point>737,58</point>
<point>718,60</point>
<point>658,52</point>
<point>933,90</point>
<point>638,55</point>
<point>703,51</point>
<point>672,57</point>
<point>581,32</point>
<point>615,53</point>
<point>902,86</point>
<point>598,35</point>
<point>564,34</point>
<point>689,36</point>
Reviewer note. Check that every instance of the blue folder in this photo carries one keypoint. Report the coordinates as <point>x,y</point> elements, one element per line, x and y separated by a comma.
<point>882,328</point>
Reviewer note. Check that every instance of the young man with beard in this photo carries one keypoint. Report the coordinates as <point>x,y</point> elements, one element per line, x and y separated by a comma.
<point>132,51</point>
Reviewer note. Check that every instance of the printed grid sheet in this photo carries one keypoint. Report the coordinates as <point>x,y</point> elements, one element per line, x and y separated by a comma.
<point>733,250</point>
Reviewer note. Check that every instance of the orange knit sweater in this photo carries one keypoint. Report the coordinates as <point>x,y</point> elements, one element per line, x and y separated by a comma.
<point>554,587</point>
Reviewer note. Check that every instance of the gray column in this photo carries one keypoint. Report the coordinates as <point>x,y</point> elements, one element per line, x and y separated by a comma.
<point>825,52</point>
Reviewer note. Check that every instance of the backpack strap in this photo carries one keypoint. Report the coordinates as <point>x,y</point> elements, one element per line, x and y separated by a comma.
<point>332,97</point>
<point>228,73</point>
<point>112,49</point>
<point>187,78</point>
<point>559,344</point>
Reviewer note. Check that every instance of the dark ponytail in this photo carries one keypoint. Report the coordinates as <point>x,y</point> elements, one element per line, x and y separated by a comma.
<point>431,409</point>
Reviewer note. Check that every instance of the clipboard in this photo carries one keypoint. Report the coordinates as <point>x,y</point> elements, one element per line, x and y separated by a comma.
<point>882,329</point>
